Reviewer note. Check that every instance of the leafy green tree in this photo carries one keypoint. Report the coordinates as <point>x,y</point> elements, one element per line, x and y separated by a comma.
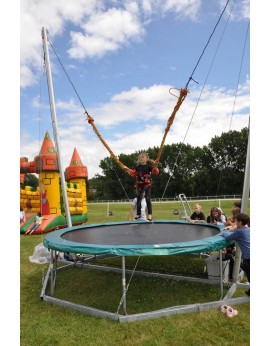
<point>211,170</point>
<point>229,153</point>
<point>30,180</point>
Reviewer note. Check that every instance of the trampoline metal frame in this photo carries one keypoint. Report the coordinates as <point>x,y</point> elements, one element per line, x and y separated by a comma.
<point>197,307</point>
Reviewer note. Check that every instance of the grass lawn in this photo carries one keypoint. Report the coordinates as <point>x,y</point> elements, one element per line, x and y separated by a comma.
<point>43,323</point>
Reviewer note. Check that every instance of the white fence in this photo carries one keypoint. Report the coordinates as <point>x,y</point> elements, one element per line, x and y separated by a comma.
<point>175,199</point>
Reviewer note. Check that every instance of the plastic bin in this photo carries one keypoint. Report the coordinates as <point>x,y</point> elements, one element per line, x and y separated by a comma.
<point>213,268</point>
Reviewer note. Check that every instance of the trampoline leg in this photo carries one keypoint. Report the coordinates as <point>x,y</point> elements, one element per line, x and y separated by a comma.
<point>53,266</point>
<point>124,285</point>
<point>221,274</point>
<point>52,273</point>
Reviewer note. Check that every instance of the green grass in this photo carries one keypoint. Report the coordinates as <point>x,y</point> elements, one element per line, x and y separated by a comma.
<point>43,323</point>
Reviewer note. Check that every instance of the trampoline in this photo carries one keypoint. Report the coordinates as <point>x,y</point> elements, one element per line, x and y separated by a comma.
<point>137,238</point>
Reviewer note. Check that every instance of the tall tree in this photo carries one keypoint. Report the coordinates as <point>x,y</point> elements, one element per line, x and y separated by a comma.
<point>30,180</point>
<point>211,170</point>
<point>229,153</point>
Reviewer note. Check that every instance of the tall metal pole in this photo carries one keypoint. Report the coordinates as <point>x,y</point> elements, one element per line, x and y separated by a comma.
<point>124,285</point>
<point>245,197</point>
<point>244,206</point>
<point>54,123</point>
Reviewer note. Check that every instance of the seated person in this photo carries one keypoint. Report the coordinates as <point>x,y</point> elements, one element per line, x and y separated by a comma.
<point>216,217</point>
<point>22,215</point>
<point>198,215</point>
<point>36,224</point>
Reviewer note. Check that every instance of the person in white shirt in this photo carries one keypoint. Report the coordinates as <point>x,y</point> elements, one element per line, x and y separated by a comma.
<point>133,210</point>
<point>22,215</point>
<point>36,224</point>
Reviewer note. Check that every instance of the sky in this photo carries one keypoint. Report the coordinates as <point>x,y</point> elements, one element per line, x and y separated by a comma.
<point>118,60</point>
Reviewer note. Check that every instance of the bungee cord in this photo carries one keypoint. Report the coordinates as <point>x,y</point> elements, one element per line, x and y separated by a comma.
<point>201,92</point>
<point>235,97</point>
<point>240,70</point>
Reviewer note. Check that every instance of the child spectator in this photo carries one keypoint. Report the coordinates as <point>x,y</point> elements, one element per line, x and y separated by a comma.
<point>198,215</point>
<point>236,209</point>
<point>242,236</point>
<point>216,217</point>
<point>36,224</point>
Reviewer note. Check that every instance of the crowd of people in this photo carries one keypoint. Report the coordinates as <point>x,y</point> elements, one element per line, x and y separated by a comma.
<point>236,229</point>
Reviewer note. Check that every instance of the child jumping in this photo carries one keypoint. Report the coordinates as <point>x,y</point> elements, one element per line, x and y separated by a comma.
<point>143,173</point>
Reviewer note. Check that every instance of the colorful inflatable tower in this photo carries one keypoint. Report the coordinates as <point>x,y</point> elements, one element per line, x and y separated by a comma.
<point>76,175</point>
<point>47,197</point>
<point>47,168</point>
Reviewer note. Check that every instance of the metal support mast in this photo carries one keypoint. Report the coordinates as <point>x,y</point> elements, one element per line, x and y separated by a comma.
<point>54,123</point>
<point>244,206</point>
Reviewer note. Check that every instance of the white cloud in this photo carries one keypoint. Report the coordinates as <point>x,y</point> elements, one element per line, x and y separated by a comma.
<point>53,15</point>
<point>89,46</point>
<point>27,77</point>
<point>187,8</point>
<point>184,8</point>
<point>99,30</point>
<point>105,32</point>
<point>241,9</point>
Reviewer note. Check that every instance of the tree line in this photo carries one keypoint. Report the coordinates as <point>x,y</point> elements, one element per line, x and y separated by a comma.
<point>215,169</point>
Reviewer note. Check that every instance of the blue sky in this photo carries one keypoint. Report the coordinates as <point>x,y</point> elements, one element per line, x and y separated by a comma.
<point>123,57</point>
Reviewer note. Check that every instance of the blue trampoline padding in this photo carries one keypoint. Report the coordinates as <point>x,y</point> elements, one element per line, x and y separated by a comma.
<point>137,238</point>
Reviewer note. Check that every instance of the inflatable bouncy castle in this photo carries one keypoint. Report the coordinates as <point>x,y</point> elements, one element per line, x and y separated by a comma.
<point>47,198</point>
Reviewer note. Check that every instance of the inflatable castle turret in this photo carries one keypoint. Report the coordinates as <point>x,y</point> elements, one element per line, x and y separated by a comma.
<point>47,168</point>
<point>76,175</point>
<point>47,198</point>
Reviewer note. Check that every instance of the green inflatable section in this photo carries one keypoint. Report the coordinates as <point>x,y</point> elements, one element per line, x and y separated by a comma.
<point>79,219</point>
<point>58,222</point>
